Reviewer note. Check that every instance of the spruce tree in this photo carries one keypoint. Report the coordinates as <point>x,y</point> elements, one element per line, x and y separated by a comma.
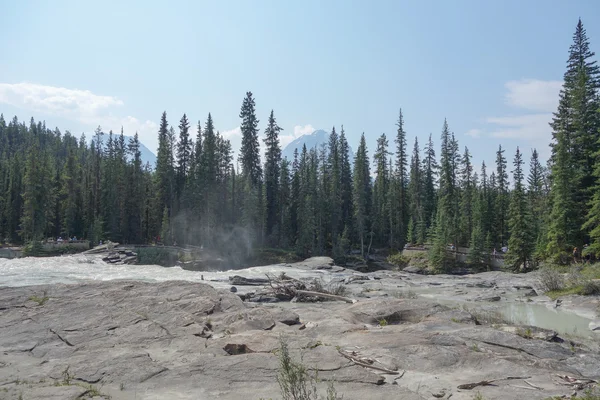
<point>416,196</point>
<point>272,176</point>
<point>520,243</point>
<point>184,151</point>
<point>466,199</point>
<point>430,170</point>
<point>380,191</point>
<point>575,129</point>
<point>401,207</point>
<point>501,206</point>
<point>345,165</point>
<point>362,196</point>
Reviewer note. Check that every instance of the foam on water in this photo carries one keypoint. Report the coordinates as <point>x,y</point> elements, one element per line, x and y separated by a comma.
<point>77,268</point>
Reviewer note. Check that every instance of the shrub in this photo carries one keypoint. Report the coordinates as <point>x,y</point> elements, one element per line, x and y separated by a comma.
<point>590,287</point>
<point>399,260</point>
<point>551,280</point>
<point>295,380</point>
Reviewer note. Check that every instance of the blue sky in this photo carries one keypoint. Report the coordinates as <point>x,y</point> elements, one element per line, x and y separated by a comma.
<point>493,68</point>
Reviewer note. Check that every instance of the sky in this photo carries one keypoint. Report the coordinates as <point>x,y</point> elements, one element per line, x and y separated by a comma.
<point>492,68</point>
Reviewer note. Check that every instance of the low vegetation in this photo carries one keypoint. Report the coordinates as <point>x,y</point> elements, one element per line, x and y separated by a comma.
<point>578,279</point>
<point>297,381</point>
<point>39,300</point>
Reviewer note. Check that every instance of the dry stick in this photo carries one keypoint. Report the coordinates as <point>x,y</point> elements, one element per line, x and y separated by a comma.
<point>469,386</point>
<point>357,362</point>
<point>533,386</point>
<point>326,295</point>
<point>522,387</point>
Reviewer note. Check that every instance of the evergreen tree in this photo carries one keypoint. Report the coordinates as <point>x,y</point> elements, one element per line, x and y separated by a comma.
<point>520,243</point>
<point>575,141</point>
<point>362,196</point>
<point>415,191</point>
<point>501,206</point>
<point>249,159</point>
<point>346,185</point>
<point>401,208</point>
<point>466,199</point>
<point>184,151</point>
<point>250,151</point>
<point>430,168</point>
<point>380,192</point>
<point>272,177</point>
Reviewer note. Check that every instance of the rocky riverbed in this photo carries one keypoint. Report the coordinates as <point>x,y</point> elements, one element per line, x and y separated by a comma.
<point>408,336</point>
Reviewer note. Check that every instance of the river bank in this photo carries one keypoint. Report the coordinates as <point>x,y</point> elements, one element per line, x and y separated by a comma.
<point>73,326</point>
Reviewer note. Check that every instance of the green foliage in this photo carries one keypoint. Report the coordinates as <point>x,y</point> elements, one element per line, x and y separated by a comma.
<point>399,260</point>
<point>319,203</point>
<point>40,300</point>
<point>296,381</point>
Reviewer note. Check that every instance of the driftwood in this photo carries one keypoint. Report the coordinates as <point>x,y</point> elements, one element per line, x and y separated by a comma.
<point>576,383</point>
<point>326,295</point>
<point>367,363</point>
<point>241,281</point>
<point>469,386</point>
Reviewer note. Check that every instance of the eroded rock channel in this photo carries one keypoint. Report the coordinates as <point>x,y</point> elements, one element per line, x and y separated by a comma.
<point>190,340</point>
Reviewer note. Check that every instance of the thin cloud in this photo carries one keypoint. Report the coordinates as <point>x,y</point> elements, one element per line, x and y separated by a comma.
<point>533,94</point>
<point>82,106</point>
<point>230,134</point>
<point>299,130</point>
<point>536,99</point>
<point>474,133</point>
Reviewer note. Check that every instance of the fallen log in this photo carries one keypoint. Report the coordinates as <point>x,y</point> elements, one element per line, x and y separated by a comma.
<point>326,295</point>
<point>237,280</point>
<point>469,386</point>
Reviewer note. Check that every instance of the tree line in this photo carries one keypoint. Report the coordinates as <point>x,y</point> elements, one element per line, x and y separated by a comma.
<point>321,201</point>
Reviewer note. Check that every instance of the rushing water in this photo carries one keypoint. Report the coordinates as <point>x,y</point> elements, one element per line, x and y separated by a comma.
<point>79,268</point>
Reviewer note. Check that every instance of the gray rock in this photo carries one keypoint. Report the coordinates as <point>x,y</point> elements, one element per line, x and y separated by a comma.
<point>595,326</point>
<point>181,340</point>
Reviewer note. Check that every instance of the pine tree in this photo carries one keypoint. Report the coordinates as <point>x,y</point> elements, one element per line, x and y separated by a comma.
<point>501,206</point>
<point>416,196</point>
<point>184,151</point>
<point>466,199</point>
<point>537,202</point>
<point>380,191</point>
<point>446,217</point>
<point>575,141</point>
<point>333,195</point>
<point>401,208</point>
<point>430,169</point>
<point>250,151</point>
<point>520,243</point>
<point>347,208</point>
<point>162,175</point>
<point>249,159</point>
<point>592,223</point>
<point>362,196</point>
<point>477,250</point>
<point>272,176</point>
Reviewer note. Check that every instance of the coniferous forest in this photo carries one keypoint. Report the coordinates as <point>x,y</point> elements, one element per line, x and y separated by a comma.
<point>53,183</point>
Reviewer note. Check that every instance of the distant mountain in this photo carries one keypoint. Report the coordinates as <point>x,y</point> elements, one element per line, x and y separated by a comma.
<point>147,155</point>
<point>315,139</point>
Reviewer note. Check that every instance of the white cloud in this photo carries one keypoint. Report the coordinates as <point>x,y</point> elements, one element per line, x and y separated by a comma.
<point>230,134</point>
<point>536,99</point>
<point>474,133</point>
<point>533,94</point>
<point>80,105</point>
<point>77,105</point>
<point>527,127</point>
<point>300,130</point>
